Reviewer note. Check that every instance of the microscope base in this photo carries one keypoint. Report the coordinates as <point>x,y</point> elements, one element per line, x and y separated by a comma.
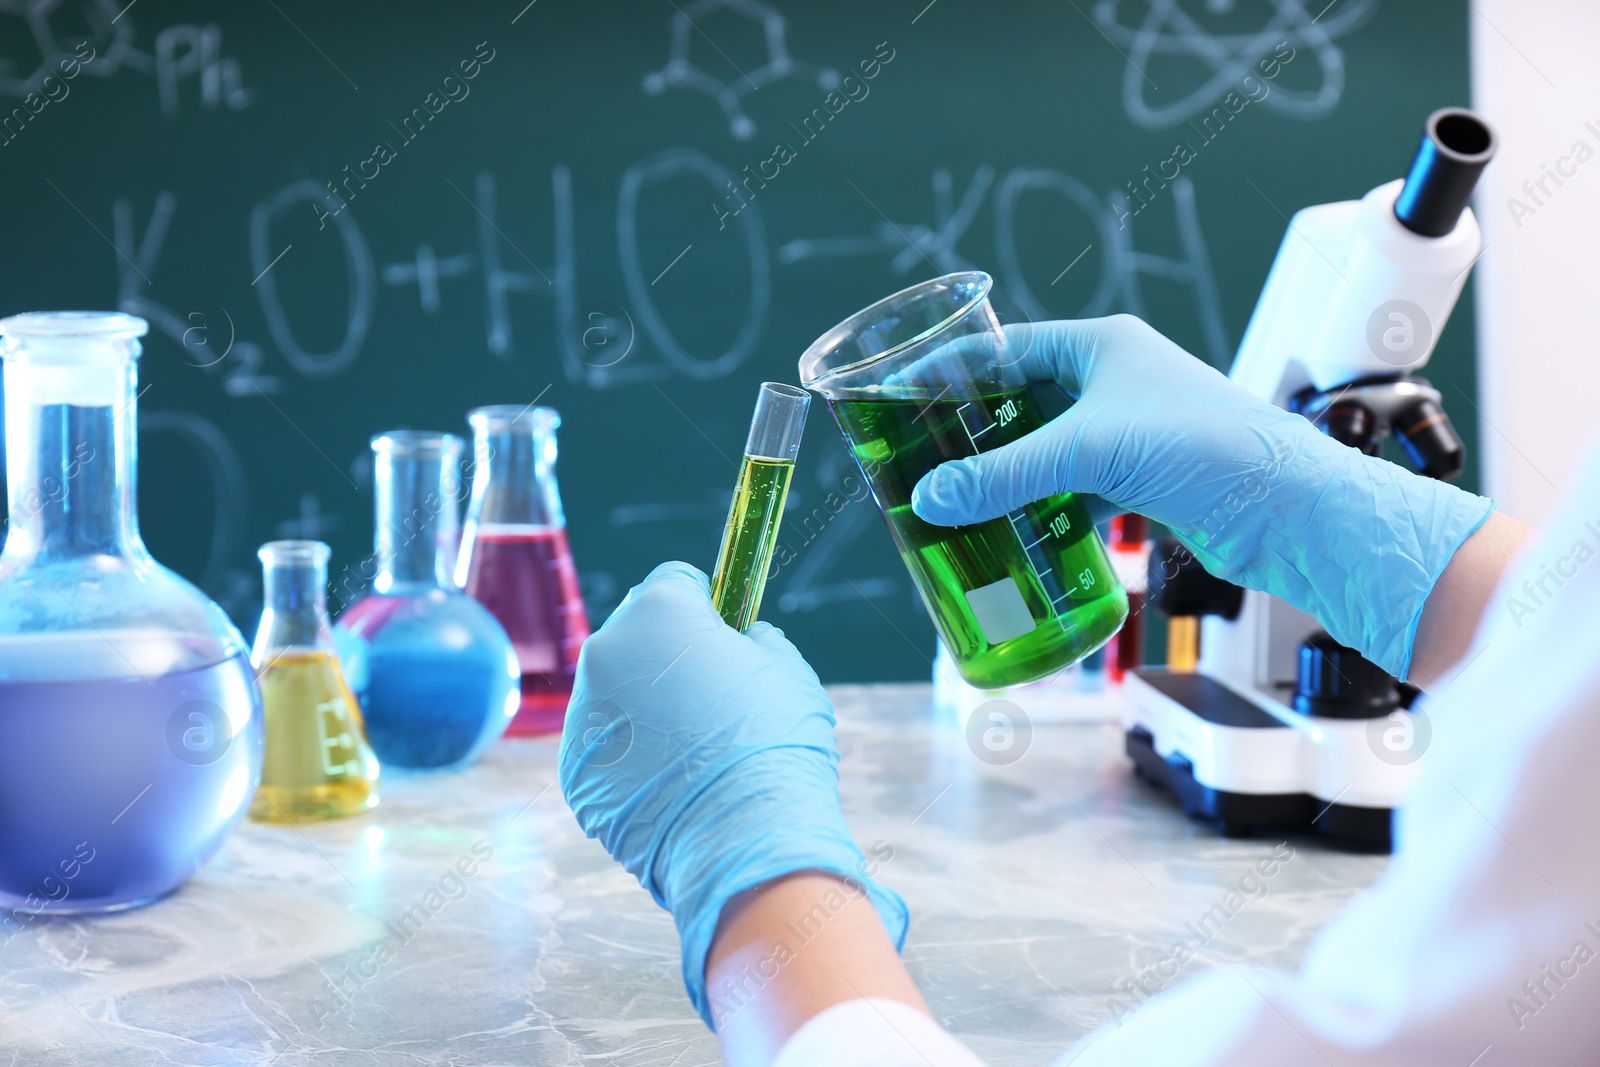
<point>1231,760</point>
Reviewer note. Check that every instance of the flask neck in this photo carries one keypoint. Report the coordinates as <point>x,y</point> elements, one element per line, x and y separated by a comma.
<point>70,447</point>
<point>514,476</point>
<point>417,526</point>
<point>294,611</point>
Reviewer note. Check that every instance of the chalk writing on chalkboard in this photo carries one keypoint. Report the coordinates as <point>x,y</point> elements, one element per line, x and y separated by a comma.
<point>360,274</point>
<point>1192,269</point>
<point>1167,31</point>
<point>658,168</point>
<point>231,588</point>
<point>912,243</point>
<point>1006,197</point>
<point>907,244</point>
<point>199,330</point>
<point>311,524</point>
<point>426,269</point>
<point>816,536</point>
<point>184,51</point>
<point>595,338</point>
<point>540,256</point>
<point>687,38</point>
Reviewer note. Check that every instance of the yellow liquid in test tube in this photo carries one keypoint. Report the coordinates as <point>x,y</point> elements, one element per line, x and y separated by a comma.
<point>747,542</point>
<point>318,765</point>
<point>757,509</point>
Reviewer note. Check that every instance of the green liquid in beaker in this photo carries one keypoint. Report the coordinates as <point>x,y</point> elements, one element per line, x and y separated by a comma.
<point>1016,598</point>
<point>748,540</point>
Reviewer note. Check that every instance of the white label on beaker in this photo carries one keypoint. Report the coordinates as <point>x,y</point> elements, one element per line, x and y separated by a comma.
<point>1000,610</point>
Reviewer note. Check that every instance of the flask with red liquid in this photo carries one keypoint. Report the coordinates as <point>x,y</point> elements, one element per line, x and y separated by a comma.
<point>1130,558</point>
<point>515,559</point>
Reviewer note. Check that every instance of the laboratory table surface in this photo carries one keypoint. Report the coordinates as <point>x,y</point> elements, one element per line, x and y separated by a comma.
<point>467,920</point>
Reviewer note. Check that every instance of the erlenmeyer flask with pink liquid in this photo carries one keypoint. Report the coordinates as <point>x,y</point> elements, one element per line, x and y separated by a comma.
<point>515,559</point>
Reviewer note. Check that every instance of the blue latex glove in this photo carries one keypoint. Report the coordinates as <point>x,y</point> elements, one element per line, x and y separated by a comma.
<point>703,760</point>
<point>1259,495</point>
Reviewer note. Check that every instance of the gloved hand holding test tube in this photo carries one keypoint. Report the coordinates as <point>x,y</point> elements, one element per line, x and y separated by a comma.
<point>757,508</point>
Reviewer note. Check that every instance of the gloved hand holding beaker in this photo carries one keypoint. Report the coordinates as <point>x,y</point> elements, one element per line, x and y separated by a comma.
<point>1257,493</point>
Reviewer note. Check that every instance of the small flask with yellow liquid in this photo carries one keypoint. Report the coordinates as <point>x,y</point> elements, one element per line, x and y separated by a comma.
<point>318,764</point>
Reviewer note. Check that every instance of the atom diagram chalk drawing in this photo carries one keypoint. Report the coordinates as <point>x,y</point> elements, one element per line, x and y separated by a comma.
<point>1167,30</point>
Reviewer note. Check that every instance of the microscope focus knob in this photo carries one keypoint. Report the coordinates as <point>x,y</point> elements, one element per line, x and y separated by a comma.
<point>1340,683</point>
<point>1181,587</point>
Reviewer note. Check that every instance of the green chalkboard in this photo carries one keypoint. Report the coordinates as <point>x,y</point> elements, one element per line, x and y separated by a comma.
<point>347,217</point>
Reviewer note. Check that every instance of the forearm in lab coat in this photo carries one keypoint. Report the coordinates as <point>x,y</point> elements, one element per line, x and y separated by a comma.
<point>1481,944</point>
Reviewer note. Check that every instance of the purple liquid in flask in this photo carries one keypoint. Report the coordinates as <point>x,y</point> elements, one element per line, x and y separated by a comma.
<point>130,721</point>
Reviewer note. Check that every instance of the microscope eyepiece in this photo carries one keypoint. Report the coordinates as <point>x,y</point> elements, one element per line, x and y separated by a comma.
<point>1455,146</point>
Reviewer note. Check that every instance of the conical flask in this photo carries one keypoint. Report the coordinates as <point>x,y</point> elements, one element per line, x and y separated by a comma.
<point>130,721</point>
<point>515,559</point>
<point>318,765</point>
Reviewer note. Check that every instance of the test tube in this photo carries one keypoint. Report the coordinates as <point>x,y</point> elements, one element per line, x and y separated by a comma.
<point>757,509</point>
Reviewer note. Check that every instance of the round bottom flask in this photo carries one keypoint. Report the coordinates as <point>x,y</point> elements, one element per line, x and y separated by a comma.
<point>130,721</point>
<point>436,676</point>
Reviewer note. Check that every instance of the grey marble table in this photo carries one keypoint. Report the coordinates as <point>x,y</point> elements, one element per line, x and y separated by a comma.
<point>468,921</point>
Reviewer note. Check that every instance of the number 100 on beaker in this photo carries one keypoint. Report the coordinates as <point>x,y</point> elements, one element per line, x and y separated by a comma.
<point>926,376</point>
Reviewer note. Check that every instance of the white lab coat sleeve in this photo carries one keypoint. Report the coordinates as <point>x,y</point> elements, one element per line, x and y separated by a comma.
<point>873,1033</point>
<point>1481,944</point>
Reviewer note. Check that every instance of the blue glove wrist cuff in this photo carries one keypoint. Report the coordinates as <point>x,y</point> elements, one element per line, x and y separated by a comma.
<point>754,832</point>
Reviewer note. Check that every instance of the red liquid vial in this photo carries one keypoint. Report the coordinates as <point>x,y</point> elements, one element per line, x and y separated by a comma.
<point>524,575</point>
<point>515,559</point>
<point>1130,556</point>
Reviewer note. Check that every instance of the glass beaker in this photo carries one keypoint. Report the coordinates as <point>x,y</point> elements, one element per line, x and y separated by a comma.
<point>435,674</point>
<point>926,376</point>
<point>130,721</point>
<point>515,559</point>
<point>318,763</point>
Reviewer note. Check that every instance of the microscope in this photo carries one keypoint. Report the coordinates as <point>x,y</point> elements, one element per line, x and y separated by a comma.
<point>1280,727</point>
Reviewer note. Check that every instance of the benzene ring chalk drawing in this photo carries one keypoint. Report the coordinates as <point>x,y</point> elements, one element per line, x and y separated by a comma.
<point>681,72</point>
